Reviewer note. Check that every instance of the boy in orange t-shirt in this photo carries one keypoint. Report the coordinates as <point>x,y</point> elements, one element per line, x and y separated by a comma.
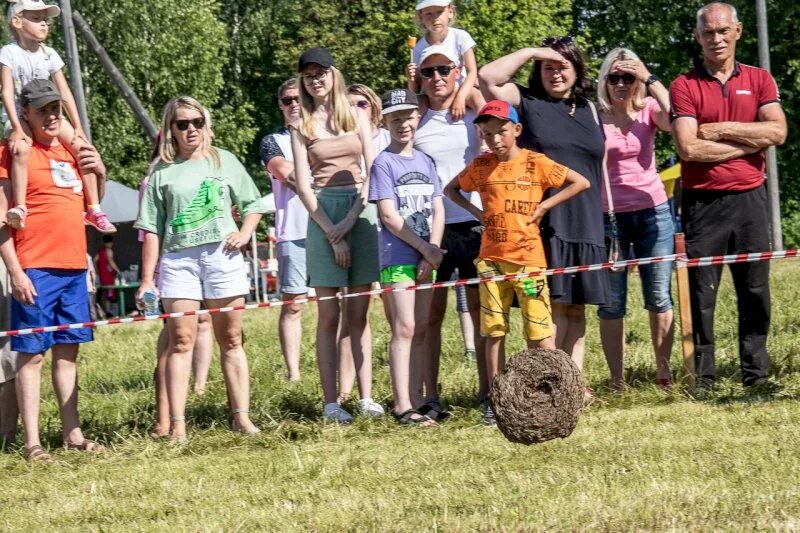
<point>511,182</point>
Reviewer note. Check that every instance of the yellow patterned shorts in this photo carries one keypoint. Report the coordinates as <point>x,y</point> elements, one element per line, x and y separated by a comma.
<point>496,298</point>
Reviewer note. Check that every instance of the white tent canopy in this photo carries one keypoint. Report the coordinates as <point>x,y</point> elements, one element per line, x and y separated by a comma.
<point>120,203</point>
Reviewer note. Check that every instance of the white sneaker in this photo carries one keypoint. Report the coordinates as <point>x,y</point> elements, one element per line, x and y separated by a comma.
<point>333,412</point>
<point>368,407</point>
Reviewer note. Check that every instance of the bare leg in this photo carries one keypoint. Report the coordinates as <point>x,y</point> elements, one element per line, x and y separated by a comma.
<point>290,331</point>
<point>347,368</point>
<point>29,387</point>
<point>19,182</point>
<point>182,332</point>
<point>474,305</point>
<point>74,145</point>
<point>9,412</point>
<point>160,379</point>
<point>422,309</point>
<point>65,383</point>
<point>202,354</point>
<point>495,356</point>
<point>433,341</point>
<point>402,313</point>
<point>662,332</point>
<point>612,336</point>
<point>570,324</point>
<point>228,330</point>
<point>327,325</point>
<point>361,339</point>
<point>467,331</point>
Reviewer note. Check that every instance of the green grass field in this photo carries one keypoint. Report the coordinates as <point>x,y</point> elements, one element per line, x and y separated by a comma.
<point>643,459</point>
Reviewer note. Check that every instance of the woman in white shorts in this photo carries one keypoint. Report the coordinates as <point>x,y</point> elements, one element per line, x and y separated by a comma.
<point>186,214</point>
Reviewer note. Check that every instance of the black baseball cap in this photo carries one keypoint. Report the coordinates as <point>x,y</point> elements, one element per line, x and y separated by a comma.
<point>398,100</point>
<point>39,93</point>
<point>319,56</point>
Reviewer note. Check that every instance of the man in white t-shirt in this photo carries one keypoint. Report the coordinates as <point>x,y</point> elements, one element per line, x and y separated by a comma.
<point>291,222</point>
<point>452,145</point>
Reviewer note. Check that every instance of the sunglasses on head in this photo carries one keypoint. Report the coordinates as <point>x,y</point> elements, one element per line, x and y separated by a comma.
<point>443,71</point>
<point>361,104</point>
<point>288,100</point>
<point>626,78</point>
<point>550,41</point>
<point>183,125</point>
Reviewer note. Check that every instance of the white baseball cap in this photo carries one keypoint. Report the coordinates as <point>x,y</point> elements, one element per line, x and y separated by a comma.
<point>18,6</point>
<point>422,4</point>
<point>439,50</point>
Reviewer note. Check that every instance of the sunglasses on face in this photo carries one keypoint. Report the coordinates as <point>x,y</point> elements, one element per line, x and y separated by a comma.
<point>626,78</point>
<point>288,100</point>
<point>550,41</point>
<point>183,125</point>
<point>361,104</point>
<point>443,71</point>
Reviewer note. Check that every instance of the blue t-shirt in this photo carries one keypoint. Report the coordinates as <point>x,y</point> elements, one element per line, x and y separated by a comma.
<point>412,182</point>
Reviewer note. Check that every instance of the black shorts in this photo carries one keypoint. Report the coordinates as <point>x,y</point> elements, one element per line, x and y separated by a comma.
<point>462,241</point>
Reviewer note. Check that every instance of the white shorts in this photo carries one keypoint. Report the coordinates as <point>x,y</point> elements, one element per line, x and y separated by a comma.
<point>202,272</point>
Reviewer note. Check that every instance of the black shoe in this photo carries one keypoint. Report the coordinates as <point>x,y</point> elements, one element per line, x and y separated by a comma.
<point>703,389</point>
<point>767,387</point>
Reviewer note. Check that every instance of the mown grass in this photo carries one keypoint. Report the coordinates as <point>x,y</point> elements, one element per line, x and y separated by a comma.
<point>644,459</point>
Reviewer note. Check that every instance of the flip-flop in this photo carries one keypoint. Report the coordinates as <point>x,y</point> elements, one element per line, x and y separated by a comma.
<point>86,445</point>
<point>412,417</point>
<point>36,454</point>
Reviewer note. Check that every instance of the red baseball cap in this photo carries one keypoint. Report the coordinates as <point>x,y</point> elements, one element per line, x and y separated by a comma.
<point>498,109</point>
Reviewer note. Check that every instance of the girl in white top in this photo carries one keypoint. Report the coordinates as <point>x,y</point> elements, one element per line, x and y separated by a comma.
<point>22,61</point>
<point>436,16</point>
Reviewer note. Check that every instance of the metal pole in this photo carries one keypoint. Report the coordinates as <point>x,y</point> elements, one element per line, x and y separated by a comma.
<point>116,76</point>
<point>75,78</point>
<point>773,187</point>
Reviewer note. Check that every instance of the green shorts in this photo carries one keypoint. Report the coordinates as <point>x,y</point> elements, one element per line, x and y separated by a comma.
<point>402,274</point>
<point>362,239</point>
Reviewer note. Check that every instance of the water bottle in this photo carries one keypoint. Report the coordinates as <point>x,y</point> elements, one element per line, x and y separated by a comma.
<point>150,301</point>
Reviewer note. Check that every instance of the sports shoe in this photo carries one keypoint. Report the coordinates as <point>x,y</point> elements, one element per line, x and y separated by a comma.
<point>470,354</point>
<point>16,216</point>
<point>488,416</point>
<point>368,407</point>
<point>333,412</point>
<point>99,220</point>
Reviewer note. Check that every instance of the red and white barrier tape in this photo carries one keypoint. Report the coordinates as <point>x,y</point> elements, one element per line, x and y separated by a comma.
<point>678,258</point>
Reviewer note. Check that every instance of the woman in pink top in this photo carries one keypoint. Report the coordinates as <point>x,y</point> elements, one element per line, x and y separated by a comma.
<point>634,105</point>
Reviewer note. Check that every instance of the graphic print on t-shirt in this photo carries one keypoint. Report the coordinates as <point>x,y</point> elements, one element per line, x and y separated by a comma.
<point>414,192</point>
<point>64,176</point>
<point>206,206</point>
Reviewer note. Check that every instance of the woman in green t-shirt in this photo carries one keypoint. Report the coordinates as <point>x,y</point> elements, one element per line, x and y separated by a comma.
<point>186,216</point>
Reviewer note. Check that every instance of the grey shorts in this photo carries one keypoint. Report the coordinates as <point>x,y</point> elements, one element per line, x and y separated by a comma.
<point>292,266</point>
<point>8,359</point>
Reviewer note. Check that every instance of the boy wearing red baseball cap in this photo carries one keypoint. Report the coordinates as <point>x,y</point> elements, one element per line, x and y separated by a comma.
<point>512,182</point>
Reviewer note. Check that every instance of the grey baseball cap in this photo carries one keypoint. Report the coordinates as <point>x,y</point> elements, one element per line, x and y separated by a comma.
<point>39,93</point>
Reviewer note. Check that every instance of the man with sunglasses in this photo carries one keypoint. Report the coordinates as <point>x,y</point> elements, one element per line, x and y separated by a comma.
<point>291,222</point>
<point>724,114</point>
<point>452,144</point>
<point>47,264</point>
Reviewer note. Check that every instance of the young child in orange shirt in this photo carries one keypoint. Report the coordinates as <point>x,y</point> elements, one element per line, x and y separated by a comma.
<point>511,182</point>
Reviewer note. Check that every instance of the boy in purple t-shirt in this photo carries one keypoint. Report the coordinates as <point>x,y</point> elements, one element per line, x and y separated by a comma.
<point>405,186</point>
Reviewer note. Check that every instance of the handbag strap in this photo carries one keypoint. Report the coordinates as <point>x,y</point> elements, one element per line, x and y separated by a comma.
<point>605,178</point>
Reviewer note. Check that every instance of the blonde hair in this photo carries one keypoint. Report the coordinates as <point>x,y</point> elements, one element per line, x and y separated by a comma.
<point>603,98</point>
<point>167,147</point>
<point>359,89</point>
<point>344,118</point>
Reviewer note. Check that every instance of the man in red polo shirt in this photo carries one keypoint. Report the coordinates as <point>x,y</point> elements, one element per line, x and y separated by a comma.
<point>724,115</point>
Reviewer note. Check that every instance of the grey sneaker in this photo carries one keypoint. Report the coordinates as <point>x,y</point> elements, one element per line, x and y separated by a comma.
<point>368,407</point>
<point>333,412</point>
<point>488,416</point>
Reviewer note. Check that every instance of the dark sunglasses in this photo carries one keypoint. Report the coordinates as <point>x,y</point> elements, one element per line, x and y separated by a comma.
<point>183,125</point>
<point>550,41</point>
<point>443,71</point>
<point>287,100</point>
<point>361,104</point>
<point>626,78</point>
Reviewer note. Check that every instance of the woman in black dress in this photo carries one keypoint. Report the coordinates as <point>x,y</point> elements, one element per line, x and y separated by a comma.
<point>559,121</point>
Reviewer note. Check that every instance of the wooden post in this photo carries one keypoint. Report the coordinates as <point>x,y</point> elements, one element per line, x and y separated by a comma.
<point>116,76</point>
<point>75,78</point>
<point>685,310</point>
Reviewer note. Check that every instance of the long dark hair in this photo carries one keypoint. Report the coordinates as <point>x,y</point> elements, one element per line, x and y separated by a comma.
<point>566,47</point>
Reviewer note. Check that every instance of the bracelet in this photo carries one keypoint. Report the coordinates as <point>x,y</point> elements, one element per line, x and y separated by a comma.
<point>651,80</point>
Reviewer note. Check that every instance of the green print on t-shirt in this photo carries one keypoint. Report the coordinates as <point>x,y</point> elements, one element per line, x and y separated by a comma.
<point>204,207</point>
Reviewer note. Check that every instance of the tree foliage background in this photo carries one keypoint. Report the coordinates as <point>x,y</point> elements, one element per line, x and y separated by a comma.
<point>233,54</point>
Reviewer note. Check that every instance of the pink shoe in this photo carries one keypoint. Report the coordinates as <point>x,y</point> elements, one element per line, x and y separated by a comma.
<point>99,220</point>
<point>16,216</point>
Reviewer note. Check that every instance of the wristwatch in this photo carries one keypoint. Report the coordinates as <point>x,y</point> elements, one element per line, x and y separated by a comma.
<point>651,80</point>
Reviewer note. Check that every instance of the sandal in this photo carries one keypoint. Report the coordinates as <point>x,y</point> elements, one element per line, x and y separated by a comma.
<point>412,417</point>
<point>236,427</point>
<point>36,454</point>
<point>86,445</point>
<point>157,433</point>
<point>433,410</point>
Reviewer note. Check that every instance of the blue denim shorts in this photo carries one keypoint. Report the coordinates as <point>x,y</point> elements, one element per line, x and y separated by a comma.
<point>643,233</point>
<point>292,266</point>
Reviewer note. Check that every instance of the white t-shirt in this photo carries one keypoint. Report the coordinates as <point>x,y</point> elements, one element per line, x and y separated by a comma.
<point>291,216</point>
<point>452,145</point>
<point>457,42</point>
<point>28,66</point>
<point>381,140</point>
